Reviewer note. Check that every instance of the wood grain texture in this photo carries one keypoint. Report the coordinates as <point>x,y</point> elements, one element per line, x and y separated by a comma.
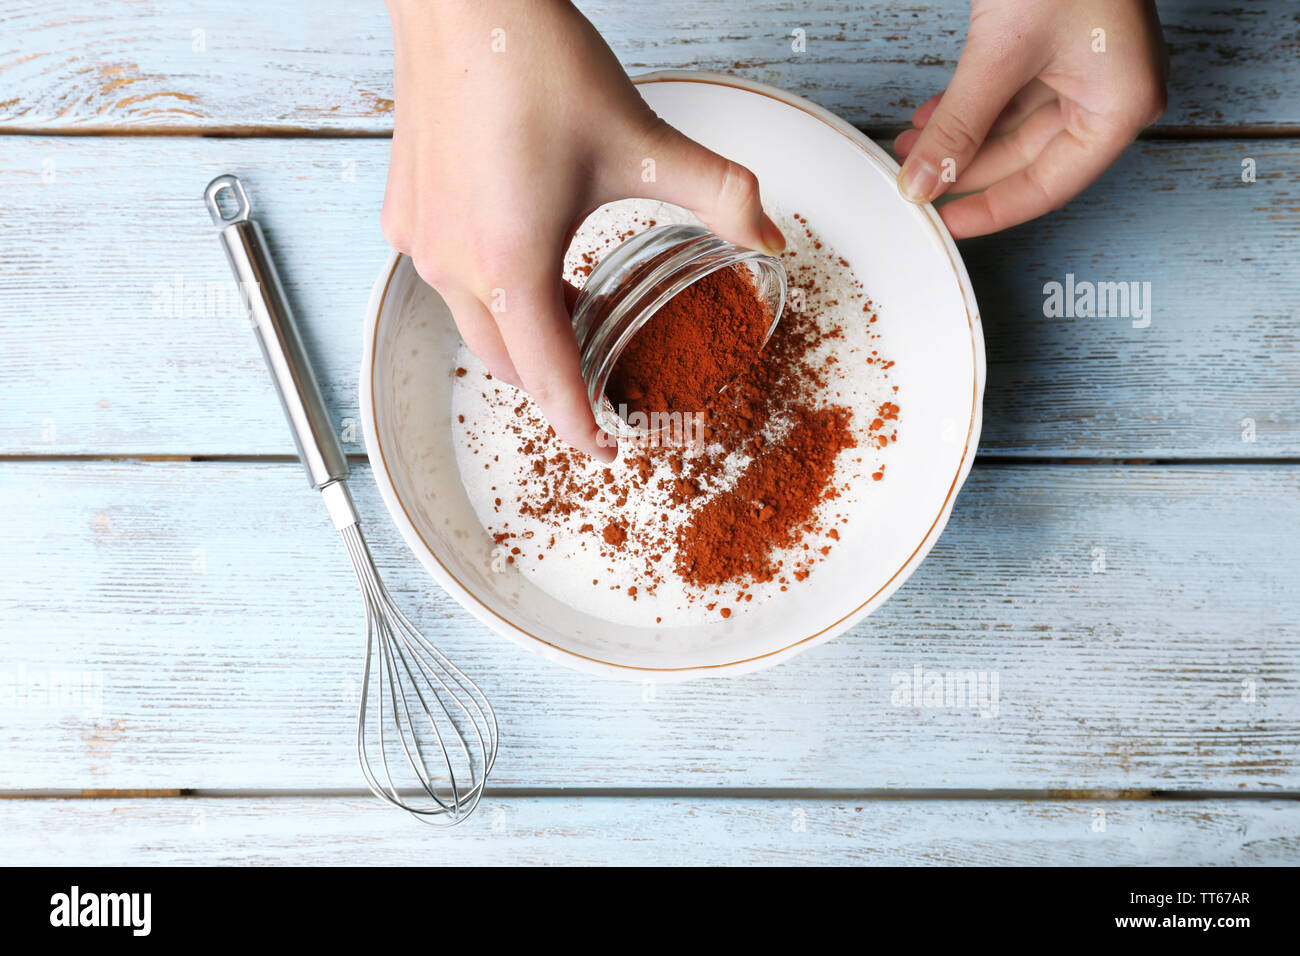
<point>124,335</point>
<point>663,831</point>
<point>201,628</point>
<point>170,625</point>
<point>208,65</point>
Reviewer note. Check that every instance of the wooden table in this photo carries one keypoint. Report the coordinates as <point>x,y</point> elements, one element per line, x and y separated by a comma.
<point>181,636</point>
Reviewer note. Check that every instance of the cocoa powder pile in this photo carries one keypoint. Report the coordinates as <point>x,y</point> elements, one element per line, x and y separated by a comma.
<point>694,345</point>
<point>734,535</point>
<point>748,504</point>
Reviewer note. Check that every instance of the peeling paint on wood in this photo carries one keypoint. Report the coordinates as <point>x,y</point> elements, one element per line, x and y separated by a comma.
<point>1141,621</point>
<point>655,830</point>
<point>142,287</point>
<point>157,638</point>
<point>208,66</point>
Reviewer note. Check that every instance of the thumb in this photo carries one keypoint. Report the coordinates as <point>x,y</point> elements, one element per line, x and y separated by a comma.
<point>980,89</point>
<point>723,194</point>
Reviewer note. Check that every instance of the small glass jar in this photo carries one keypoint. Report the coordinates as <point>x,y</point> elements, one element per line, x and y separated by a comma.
<point>635,280</point>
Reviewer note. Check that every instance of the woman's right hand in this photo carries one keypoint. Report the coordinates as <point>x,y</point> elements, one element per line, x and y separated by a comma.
<point>513,122</point>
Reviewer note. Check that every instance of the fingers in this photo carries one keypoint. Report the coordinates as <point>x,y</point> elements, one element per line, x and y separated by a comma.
<point>1003,155</point>
<point>1063,169</point>
<point>479,332</point>
<point>473,321</point>
<point>538,333</point>
<point>904,142</point>
<point>526,339</point>
<point>955,128</point>
<point>1025,102</point>
<point>723,194</point>
<point>925,111</point>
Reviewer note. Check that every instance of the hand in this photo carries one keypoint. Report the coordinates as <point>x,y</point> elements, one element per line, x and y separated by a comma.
<point>1061,101</point>
<point>514,121</point>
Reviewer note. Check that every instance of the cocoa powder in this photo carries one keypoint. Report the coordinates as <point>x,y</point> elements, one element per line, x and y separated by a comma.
<point>696,343</point>
<point>753,502</point>
<point>734,535</point>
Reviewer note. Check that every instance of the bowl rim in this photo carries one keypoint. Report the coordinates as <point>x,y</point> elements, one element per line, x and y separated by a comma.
<point>592,665</point>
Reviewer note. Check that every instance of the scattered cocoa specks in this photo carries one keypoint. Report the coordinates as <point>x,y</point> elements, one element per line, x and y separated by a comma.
<point>732,505</point>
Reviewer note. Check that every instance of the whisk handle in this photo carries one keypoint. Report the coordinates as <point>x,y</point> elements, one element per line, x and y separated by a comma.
<point>272,320</point>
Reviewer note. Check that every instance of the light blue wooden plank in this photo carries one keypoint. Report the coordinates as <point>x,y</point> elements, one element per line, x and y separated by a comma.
<point>103,356</point>
<point>1213,370</point>
<point>326,65</point>
<point>210,615</point>
<point>657,830</point>
<point>125,323</point>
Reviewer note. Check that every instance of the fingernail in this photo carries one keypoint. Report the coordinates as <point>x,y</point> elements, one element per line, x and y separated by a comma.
<point>773,238</point>
<point>606,447</point>
<point>918,180</point>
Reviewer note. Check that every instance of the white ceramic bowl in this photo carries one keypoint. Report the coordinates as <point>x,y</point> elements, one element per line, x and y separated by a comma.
<point>807,160</point>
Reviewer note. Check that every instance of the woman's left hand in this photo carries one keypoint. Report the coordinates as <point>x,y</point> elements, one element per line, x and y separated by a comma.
<point>1046,95</point>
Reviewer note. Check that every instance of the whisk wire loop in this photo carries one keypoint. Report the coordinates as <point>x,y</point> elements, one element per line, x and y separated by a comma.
<point>445,731</point>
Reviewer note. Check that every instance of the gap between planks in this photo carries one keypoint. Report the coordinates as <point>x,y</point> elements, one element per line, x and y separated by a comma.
<point>1250,131</point>
<point>692,793</point>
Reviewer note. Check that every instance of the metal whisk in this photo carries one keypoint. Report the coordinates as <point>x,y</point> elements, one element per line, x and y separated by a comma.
<point>433,741</point>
